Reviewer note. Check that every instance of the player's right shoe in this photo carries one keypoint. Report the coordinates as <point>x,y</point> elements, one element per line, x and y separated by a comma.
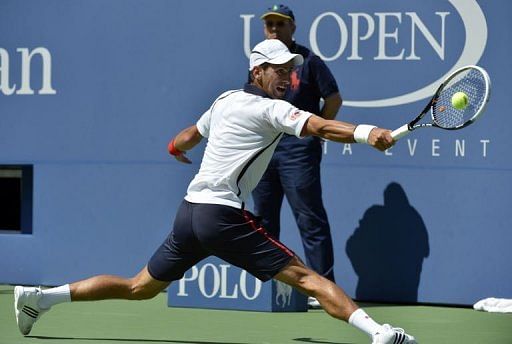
<point>392,335</point>
<point>313,303</point>
<point>26,307</point>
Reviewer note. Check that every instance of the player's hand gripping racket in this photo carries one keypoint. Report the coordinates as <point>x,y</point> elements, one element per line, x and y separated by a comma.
<point>458,102</point>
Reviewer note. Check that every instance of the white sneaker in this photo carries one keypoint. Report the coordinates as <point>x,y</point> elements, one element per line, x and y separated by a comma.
<point>26,307</point>
<point>313,303</point>
<point>392,335</point>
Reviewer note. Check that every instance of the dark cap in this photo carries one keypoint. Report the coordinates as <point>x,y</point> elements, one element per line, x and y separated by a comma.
<point>279,10</point>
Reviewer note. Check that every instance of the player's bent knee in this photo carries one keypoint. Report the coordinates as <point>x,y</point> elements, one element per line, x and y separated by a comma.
<point>143,286</point>
<point>140,292</point>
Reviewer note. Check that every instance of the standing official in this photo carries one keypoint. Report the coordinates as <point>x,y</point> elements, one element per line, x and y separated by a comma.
<point>294,170</point>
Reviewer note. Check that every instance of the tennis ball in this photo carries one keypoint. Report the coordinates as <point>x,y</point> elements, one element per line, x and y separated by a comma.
<point>460,100</point>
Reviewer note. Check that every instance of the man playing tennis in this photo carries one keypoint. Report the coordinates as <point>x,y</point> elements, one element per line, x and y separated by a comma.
<point>243,128</point>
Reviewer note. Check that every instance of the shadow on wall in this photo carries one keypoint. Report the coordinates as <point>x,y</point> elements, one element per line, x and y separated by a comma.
<point>388,248</point>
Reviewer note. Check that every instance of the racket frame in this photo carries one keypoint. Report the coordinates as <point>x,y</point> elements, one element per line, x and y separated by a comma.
<point>407,128</point>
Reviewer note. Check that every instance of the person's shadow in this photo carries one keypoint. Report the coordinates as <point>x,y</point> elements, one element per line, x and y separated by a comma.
<point>388,248</point>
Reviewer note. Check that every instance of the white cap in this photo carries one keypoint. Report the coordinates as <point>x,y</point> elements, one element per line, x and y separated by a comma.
<point>272,51</point>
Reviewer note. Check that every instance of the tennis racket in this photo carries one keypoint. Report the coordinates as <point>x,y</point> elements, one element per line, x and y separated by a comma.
<point>471,80</point>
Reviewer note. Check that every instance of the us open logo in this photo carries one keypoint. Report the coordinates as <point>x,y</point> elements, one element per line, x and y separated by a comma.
<point>396,37</point>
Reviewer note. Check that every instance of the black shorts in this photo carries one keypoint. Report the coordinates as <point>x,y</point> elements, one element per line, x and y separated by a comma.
<point>232,234</point>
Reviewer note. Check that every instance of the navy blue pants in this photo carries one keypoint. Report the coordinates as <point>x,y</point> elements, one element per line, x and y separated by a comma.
<point>294,171</point>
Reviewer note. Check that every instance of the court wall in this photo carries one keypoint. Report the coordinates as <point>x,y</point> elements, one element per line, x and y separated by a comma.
<point>92,91</point>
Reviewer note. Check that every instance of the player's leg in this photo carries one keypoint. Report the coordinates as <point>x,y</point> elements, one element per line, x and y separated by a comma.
<point>239,239</point>
<point>236,236</point>
<point>331,297</point>
<point>32,302</point>
<point>140,287</point>
<point>176,255</point>
<point>338,304</point>
<point>268,199</point>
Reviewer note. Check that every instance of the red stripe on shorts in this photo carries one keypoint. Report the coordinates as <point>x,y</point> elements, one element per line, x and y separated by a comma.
<point>262,231</point>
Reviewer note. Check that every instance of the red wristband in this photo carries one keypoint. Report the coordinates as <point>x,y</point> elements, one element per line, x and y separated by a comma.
<point>173,150</point>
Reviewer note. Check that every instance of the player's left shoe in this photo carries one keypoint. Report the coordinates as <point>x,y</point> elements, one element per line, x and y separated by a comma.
<point>392,335</point>
<point>26,307</point>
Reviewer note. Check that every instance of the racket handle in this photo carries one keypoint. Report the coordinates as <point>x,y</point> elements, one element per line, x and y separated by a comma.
<point>400,132</point>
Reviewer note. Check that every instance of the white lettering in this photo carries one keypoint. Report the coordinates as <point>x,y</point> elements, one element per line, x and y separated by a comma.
<point>247,33</point>
<point>343,36</point>
<point>26,58</point>
<point>460,147</point>
<point>181,283</point>
<point>224,284</point>
<point>484,146</point>
<point>243,286</point>
<point>220,283</point>
<point>4,73</point>
<point>383,35</point>
<point>435,147</point>
<point>363,27</point>
<point>347,148</point>
<point>418,23</point>
<point>412,148</point>
<point>355,33</point>
<point>202,280</point>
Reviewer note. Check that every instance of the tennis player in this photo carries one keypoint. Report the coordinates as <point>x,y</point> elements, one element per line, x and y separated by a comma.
<point>243,127</point>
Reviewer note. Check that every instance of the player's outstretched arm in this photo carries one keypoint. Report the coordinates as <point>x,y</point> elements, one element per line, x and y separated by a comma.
<point>348,133</point>
<point>187,139</point>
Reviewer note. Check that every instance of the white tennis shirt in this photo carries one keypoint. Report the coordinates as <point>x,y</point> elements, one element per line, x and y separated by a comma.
<point>243,128</point>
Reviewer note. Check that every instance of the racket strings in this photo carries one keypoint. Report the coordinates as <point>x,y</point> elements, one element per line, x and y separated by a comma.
<point>473,84</point>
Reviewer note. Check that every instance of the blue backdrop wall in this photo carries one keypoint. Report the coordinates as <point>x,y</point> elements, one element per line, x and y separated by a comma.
<point>91,92</point>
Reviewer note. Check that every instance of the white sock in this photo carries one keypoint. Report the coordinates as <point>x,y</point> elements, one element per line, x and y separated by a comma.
<point>55,296</point>
<point>362,321</point>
